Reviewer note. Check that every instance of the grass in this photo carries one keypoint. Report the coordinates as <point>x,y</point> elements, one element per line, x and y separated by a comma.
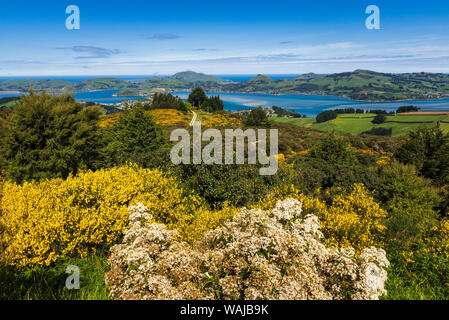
<point>9,104</point>
<point>48,283</point>
<point>357,124</point>
<point>425,280</point>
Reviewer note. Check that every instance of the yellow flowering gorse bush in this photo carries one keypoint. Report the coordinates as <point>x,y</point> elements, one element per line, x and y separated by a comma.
<point>52,219</point>
<point>436,241</point>
<point>353,220</point>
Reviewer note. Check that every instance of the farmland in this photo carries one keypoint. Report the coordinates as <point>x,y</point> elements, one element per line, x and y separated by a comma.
<point>359,123</point>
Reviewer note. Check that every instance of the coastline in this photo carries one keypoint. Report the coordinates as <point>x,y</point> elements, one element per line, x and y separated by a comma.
<point>255,92</point>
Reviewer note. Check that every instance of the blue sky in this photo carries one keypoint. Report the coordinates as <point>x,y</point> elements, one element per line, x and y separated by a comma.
<point>222,37</point>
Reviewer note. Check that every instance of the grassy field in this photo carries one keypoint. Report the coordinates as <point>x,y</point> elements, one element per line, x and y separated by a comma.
<point>358,123</point>
<point>9,104</point>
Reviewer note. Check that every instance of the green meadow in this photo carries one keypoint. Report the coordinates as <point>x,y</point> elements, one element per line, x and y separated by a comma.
<point>358,123</point>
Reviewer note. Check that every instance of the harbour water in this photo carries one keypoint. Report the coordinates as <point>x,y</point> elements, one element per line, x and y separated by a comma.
<point>310,105</point>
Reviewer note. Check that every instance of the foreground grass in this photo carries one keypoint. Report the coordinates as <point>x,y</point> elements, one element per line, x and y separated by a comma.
<point>425,279</point>
<point>40,283</point>
<point>356,124</point>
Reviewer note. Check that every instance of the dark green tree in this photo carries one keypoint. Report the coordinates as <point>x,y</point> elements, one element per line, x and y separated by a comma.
<point>379,119</point>
<point>167,101</point>
<point>197,97</point>
<point>51,136</point>
<point>136,138</point>
<point>326,116</point>
<point>407,109</point>
<point>213,104</point>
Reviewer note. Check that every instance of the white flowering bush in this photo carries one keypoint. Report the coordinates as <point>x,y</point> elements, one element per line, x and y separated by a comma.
<point>255,255</point>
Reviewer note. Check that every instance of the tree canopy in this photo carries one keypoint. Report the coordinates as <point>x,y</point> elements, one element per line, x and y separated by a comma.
<point>50,136</point>
<point>197,97</point>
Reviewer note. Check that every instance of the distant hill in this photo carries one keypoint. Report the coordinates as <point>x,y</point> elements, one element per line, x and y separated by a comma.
<point>362,85</point>
<point>103,84</point>
<point>195,77</point>
<point>24,85</point>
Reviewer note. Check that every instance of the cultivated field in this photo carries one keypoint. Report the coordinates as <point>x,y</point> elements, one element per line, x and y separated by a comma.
<point>358,123</point>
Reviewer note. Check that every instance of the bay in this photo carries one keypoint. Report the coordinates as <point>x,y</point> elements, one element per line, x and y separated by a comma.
<point>310,105</point>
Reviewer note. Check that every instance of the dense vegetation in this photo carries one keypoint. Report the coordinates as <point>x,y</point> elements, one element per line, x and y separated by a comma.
<point>66,186</point>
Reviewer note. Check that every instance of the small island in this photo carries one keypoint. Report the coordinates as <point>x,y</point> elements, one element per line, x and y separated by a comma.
<point>132,93</point>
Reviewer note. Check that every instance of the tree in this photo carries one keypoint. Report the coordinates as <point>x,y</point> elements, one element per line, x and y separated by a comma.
<point>136,138</point>
<point>407,109</point>
<point>257,117</point>
<point>213,104</point>
<point>379,119</point>
<point>51,136</point>
<point>167,101</point>
<point>197,97</point>
<point>326,116</point>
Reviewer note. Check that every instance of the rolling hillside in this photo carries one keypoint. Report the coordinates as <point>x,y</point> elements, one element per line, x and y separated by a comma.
<point>362,85</point>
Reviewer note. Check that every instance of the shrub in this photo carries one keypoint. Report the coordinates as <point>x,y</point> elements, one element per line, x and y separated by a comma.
<point>410,201</point>
<point>240,185</point>
<point>334,150</point>
<point>52,219</point>
<point>256,118</point>
<point>312,173</point>
<point>256,255</point>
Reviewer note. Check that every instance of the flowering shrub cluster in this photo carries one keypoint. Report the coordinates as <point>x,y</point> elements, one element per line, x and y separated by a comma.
<point>436,241</point>
<point>257,254</point>
<point>109,120</point>
<point>48,220</point>
<point>171,117</point>
<point>353,219</point>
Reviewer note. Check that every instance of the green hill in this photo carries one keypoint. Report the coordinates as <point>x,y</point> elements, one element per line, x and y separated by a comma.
<point>24,85</point>
<point>195,77</point>
<point>103,84</point>
<point>363,85</point>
